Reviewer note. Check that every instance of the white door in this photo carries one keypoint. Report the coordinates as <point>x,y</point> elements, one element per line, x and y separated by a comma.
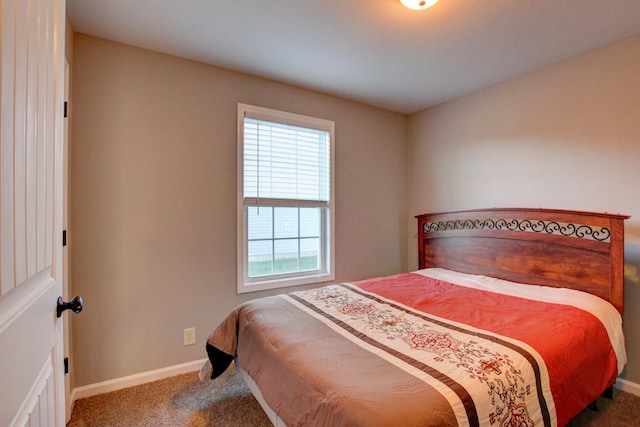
<point>31,128</point>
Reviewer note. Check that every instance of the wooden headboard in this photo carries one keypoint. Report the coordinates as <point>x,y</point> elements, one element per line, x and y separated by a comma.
<point>559,248</point>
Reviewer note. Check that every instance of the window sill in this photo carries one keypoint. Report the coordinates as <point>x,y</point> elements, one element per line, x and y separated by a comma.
<point>262,285</point>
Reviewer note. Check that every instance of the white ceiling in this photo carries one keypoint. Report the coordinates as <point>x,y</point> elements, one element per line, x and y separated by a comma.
<point>374,51</point>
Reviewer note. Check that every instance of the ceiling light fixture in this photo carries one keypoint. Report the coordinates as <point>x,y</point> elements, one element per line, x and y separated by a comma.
<point>418,4</point>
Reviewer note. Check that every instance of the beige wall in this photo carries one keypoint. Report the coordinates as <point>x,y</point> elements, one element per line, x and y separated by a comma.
<point>153,183</point>
<point>153,196</point>
<point>566,136</point>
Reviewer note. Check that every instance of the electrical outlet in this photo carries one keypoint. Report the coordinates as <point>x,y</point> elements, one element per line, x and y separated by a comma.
<point>189,336</point>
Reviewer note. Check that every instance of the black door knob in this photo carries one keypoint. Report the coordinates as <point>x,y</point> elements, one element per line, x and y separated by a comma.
<point>74,305</point>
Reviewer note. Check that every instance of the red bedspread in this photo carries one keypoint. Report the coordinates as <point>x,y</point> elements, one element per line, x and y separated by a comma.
<point>413,350</point>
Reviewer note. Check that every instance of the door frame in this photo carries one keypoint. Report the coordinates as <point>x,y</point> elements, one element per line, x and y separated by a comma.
<point>66,292</point>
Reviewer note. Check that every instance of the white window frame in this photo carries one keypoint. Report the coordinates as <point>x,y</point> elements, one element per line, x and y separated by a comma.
<point>245,283</point>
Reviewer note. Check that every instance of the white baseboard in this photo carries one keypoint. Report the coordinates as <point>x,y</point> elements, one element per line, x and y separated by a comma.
<point>628,386</point>
<point>133,380</point>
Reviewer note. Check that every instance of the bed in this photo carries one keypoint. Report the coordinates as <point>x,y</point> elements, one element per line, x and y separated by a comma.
<point>513,318</point>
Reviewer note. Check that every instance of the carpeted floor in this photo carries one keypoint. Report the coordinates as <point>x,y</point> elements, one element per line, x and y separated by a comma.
<point>178,401</point>
<point>185,401</point>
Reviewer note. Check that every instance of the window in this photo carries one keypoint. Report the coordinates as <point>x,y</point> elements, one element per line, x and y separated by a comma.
<point>285,199</point>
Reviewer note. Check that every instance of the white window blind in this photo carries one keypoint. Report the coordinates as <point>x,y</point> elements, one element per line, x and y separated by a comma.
<point>285,162</point>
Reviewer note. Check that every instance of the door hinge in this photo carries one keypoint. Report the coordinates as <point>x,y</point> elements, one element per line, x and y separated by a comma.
<point>66,365</point>
<point>65,108</point>
<point>64,237</point>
